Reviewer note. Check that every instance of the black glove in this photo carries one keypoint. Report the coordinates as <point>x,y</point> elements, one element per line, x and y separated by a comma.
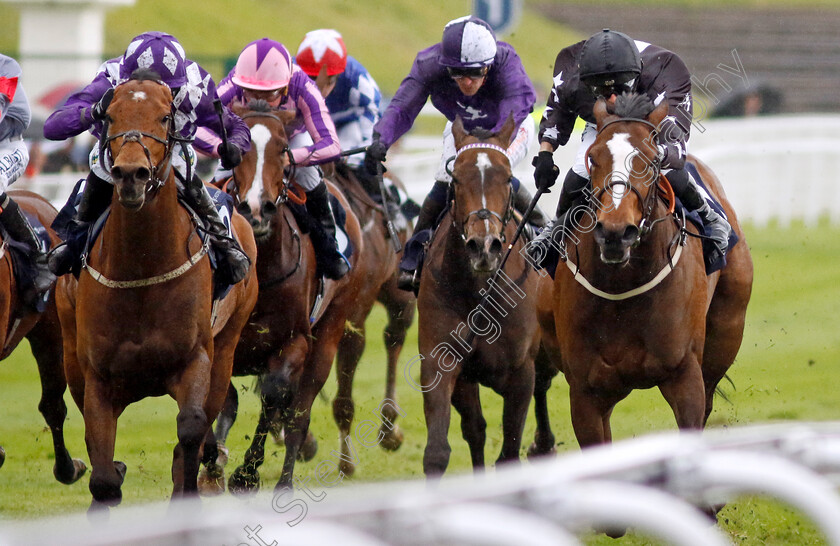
<point>375,155</point>
<point>545,172</point>
<point>99,110</point>
<point>230,155</point>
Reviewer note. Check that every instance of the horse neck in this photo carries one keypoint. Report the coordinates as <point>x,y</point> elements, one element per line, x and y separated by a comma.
<point>158,230</point>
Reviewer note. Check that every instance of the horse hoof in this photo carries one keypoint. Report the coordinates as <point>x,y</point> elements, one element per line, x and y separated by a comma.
<point>222,457</point>
<point>308,450</point>
<point>211,480</point>
<point>121,469</point>
<point>346,467</point>
<point>243,483</point>
<point>2,456</point>
<point>393,439</point>
<point>71,474</point>
<point>98,513</point>
<point>536,451</point>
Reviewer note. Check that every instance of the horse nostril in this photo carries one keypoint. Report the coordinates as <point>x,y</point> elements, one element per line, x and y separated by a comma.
<point>473,248</point>
<point>117,173</point>
<point>598,233</point>
<point>631,233</point>
<point>142,174</point>
<point>495,246</point>
<point>269,209</point>
<point>243,209</point>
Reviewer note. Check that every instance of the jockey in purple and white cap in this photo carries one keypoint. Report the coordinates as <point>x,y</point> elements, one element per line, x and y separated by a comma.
<point>468,74</point>
<point>265,71</point>
<point>193,92</point>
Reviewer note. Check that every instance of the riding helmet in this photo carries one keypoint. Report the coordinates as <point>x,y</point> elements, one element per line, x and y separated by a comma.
<point>611,54</point>
<point>468,42</point>
<point>322,47</point>
<point>156,51</point>
<point>264,65</point>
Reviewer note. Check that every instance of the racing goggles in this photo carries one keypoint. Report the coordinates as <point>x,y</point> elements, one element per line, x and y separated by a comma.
<point>474,73</point>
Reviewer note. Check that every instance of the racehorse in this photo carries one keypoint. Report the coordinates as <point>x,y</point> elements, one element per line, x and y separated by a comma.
<point>141,320</point>
<point>293,334</point>
<point>379,274</point>
<point>44,334</point>
<point>633,307</point>
<point>462,292</point>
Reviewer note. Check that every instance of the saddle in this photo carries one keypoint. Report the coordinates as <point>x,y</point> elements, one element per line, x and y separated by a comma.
<point>23,268</point>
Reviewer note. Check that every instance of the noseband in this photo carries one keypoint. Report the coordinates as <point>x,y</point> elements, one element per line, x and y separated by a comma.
<point>482,213</point>
<point>156,178</point>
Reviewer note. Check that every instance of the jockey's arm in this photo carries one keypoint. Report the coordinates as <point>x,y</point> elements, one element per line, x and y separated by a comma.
<point>310,104</point>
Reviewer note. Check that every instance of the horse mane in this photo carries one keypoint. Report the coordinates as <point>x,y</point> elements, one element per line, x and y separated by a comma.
<point>633,105</point>
<point>259,105</point>
<point>145,74</point>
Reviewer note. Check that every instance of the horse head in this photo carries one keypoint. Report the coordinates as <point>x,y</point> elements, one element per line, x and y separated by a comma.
<point>624,172</point>
<point>260,178</point>
<point>139,137</point>
<point>482,191</point>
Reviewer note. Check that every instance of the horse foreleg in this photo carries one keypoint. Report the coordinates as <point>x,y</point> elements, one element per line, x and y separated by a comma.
<point>400,316</point>
<point>517,398</point>
<point>350,350</point>
<point>466,400</point>
<point>436,408</point>
<point>246,478</point>
<point>46,350</point>
<point>106,476</point>
<point>686,394</point>
<point>543,437</point>
<point>590,415</point>
<point>211,479</point>
<point>191,393</point>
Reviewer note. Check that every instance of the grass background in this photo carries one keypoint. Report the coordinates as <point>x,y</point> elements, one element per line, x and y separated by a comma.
<point>787,361</point>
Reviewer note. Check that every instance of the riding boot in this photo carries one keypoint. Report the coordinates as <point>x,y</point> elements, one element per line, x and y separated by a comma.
<point>572,190</point>
<point>236,262</point>
<point>96,197</point>
<point>522,200</point>
<point>687,191</point>
<point>19,229</point>
<point>407,278</point>
<point>332,263</point>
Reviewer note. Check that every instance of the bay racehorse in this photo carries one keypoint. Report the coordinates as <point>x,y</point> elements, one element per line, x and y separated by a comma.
<point>459,294</point>
<point>632,307</point>
<point>141,320</point>
<point>293,334</point>
<point>379,283</point>
<point>43,332</point>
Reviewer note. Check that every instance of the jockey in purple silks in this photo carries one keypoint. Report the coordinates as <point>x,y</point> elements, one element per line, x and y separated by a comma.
<point>14,156</point>
<point>471,75</point>
<point>604,66</point>
<point>265,71</point>
<point>193,92</point>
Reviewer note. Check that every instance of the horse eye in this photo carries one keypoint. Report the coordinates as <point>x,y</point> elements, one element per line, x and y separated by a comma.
<point>592,162</point>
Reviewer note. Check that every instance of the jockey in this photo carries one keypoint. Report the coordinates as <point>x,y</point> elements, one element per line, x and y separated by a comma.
<point>14,156</point>
<point>471,75</point>
<point>265,71</point>
<point>193,92</point>
<point>605,65</point>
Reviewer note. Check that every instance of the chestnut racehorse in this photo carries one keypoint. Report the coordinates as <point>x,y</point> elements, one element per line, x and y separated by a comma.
<point>289,341</point>
<point>632,307</point>
<point>141,320</point>
<point>456,298</point>
<point>44,334</point>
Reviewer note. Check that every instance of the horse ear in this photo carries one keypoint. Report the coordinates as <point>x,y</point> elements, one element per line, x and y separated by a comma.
<point>507,130</point>
<point>458,131</point>
<point>600,111</point>
<point>658,113</point>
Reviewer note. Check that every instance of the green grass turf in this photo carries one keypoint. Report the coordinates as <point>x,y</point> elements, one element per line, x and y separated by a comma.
<point>783,373</point>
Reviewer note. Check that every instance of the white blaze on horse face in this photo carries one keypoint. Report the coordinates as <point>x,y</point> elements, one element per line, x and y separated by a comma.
<point>622,154</point>
<point>260,135</point>
<point>482,162</point>
<point>138,95</point>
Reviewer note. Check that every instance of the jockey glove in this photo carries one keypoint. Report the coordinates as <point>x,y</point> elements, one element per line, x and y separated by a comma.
<point>375,154</point>
<point>230,155</point>
<point>545,171</point>
<point>99,110</point>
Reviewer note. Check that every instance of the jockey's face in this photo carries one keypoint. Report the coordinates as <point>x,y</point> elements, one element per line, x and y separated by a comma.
<point>469,80</point>
<point>328,84</point>
<point>272,96</point>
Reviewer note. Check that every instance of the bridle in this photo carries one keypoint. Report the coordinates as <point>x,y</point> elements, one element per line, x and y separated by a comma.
<point>158,174</point>
<point>647,203</point>
<point>482,213</point>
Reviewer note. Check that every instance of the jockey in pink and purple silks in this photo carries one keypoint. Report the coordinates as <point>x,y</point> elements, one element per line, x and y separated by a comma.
<point>265,71</point>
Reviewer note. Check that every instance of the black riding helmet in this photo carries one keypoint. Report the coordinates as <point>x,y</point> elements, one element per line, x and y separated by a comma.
<point>609,63</point>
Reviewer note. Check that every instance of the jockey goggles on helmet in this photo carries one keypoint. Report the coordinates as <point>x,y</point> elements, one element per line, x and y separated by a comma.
<point>472,72</point>
<point>268,95</point>
<point>606,85</point>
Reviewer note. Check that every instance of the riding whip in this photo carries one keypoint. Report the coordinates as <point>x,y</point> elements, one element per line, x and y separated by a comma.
<point>217,104</point>
<point>392,231</point>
